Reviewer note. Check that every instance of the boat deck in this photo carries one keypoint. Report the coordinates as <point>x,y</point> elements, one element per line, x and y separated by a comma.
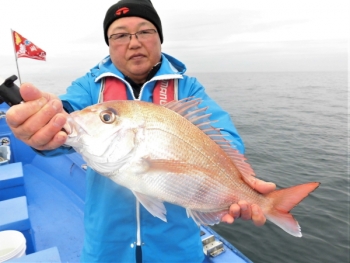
<point>49,203</point>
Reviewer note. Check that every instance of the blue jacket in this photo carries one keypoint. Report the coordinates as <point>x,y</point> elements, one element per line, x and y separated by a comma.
<point>114,221</point>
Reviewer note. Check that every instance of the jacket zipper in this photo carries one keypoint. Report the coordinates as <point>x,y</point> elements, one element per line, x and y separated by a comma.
<point>138,224</point>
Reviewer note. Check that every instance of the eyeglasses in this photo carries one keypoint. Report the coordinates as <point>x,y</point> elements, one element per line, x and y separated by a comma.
<point>124,38</point>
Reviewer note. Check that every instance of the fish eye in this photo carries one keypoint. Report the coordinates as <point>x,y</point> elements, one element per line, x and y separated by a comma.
<point>107,116</point>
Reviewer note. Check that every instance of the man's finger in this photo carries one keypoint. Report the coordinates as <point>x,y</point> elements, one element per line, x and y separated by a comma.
<point>246,213</point>
<point>57,141</point>
<point>29,92</point>
<point>50,132</point>
<point>18,114</point>
<point>260,185</point>
<point>227,219</point>
<point>235,211</point>
<point>258,216</point>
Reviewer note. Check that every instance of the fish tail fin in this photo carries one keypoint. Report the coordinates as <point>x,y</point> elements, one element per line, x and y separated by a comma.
<point>283,201</point>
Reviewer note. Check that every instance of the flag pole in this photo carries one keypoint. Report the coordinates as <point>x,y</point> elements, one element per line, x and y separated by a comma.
<point>14,48</point>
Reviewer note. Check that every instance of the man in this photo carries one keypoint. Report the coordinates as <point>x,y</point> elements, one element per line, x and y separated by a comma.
<point>117,227</point>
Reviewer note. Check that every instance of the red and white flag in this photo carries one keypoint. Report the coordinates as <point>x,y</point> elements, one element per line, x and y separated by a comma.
<point>26,49</point>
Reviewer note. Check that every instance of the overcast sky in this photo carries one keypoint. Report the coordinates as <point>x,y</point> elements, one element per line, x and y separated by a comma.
<point>208,36</point>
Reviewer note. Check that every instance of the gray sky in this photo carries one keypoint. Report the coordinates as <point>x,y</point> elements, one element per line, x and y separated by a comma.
<point>208,36</point>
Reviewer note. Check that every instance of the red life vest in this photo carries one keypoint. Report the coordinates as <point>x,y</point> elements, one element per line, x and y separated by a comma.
<point>165,90</point>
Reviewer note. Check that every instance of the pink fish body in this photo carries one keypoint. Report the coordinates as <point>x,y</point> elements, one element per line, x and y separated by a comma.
<point>171,153</point>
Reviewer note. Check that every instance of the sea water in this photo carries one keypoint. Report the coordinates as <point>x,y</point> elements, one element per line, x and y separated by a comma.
<point>295,129</point>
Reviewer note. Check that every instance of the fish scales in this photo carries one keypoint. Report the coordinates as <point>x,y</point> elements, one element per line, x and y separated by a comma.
<point>189,137</point>
<point>173,154</point>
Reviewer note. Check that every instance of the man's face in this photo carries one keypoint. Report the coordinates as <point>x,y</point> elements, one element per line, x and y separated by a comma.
<point>136,57</point>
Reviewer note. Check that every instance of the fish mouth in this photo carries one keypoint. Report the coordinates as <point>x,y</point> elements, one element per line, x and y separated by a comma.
<point>70,127</point>
<point>67,128</point>
<point>74,130</point>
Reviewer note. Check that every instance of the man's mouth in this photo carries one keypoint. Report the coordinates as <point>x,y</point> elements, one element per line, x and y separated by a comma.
<point>137,56</point>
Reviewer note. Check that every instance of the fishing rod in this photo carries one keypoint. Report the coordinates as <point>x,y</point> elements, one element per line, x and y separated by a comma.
<point>9,91</point>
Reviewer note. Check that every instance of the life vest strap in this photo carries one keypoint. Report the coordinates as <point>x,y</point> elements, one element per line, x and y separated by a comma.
<point>165,90</point>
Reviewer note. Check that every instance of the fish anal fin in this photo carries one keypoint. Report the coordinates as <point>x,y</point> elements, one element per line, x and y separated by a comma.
<point>206,218</point>
<point>153,205</point>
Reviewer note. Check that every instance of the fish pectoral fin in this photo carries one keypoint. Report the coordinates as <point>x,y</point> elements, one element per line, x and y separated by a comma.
<point>206,218</point>
<point>152,205</point>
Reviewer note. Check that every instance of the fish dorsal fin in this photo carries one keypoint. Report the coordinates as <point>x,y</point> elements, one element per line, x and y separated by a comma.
<point>188,108</point>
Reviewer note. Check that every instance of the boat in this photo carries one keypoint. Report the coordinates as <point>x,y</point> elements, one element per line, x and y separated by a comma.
<point>43,198</point>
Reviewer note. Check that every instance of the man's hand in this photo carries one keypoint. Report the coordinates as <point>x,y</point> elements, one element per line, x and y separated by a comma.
<point>39,120</point>
<point>245,211</point>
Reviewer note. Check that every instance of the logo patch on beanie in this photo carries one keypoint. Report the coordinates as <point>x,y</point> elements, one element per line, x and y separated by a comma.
<point>122,11</point>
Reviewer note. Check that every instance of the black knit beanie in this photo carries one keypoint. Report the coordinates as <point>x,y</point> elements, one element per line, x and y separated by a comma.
<point>139,8</point>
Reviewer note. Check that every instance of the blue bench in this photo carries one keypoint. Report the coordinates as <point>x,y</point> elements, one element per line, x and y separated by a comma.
<point>11,181</point>
<point>48,255</point>
<point>14,216</point>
